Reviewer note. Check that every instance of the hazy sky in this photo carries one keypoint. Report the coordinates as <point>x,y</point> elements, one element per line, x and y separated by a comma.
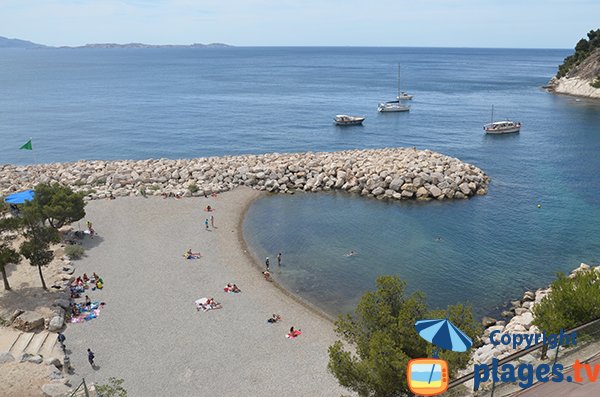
<point>443,23</point>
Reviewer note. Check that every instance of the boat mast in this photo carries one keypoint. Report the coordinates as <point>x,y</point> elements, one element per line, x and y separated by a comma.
<point>398,82</point>
<point>492,114</point>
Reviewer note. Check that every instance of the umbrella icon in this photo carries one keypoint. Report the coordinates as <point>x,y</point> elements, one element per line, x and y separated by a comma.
<point>443,334</point>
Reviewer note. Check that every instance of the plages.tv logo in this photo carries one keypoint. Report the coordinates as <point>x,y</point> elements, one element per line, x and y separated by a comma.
<point>429,376</point>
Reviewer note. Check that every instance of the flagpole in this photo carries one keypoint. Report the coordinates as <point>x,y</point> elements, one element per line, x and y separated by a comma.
<point>34,155</point>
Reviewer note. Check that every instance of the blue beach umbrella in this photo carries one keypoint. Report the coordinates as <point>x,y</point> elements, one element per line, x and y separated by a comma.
<point>20,197</point>
<point>443,334</point>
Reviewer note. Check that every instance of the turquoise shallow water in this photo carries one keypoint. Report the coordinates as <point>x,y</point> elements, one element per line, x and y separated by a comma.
<point>116,104</point>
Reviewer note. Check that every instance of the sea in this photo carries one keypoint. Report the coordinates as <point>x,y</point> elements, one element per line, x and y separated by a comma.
<point>540,216</point>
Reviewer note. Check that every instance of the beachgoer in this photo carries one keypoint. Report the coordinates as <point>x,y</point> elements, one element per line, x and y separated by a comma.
<point>279,259</point>
<point>61,339</point>
<point>213,194</point>
<point>99,284</point>
<point>85,278</point>
<point>351,253</point>
<point>212,221</point>
<point>208,208</point>
<point>275,318</point>
<point>267,276</point>
<point>228,288</point>
<point>78,281</point>
<point>235,288</point>
<point>90,229</point>
<point>192,255</point>
<point>90,357</point>
<point>267,263</point>
<point>88,301</point>
<point>206,223</point>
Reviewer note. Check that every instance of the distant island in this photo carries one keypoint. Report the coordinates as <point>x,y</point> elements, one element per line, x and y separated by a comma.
<point>579,75</point>
<point>17,43</point>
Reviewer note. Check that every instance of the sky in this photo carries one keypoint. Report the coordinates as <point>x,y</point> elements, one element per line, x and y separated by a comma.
<point>412,23</point>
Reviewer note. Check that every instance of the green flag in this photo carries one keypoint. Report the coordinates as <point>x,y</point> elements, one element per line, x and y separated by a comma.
<point>27,146</point>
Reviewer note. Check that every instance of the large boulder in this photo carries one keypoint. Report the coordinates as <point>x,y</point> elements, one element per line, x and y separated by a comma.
<point>56,390</point>
<point>56,323</point>
<point>28,321</point>
<point>6,357</point>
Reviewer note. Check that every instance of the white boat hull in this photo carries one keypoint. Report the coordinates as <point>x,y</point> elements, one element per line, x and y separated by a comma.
<point>344,120</point>
<point>503,130</point>
<point>393,107</point>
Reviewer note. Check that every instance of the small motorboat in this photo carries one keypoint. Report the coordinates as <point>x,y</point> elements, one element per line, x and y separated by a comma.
<point>502,126</point>
<point>344,119</point>
<point>404,96</point>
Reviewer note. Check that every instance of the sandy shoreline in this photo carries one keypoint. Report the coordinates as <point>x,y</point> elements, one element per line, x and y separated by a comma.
<point>150,333</point>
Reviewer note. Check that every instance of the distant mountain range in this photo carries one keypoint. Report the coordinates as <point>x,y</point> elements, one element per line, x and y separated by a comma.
<point>16,43</point>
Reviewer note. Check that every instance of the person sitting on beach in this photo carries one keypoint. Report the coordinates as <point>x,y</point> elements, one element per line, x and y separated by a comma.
<point>78,281</point>
<point>74,310</point>
<point>191,255</point>
<point>99,284</point>
<point>208,208</point>
<point>86,279</point>
<point>267,275</point>
<point>88,301</point>
<point>228,288</point>
<point>213,194</point>
<point>275,318</point>
<point>235,289</point>
<point>212,304</point>
<point>294,333</point>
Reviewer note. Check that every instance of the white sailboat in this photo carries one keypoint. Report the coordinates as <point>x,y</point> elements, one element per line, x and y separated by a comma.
<point>502,126</point>
<point>397,105</point>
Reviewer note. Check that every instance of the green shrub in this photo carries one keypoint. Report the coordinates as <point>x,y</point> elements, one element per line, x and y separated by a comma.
<point>582,50</point>
<point>74,251</point>
<point>113,388</point>
<point>153,187</point>
<point>596,83</point>
<point>101,181</point>
<point>193,188</point>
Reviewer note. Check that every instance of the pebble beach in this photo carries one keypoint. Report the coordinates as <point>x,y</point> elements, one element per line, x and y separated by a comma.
<point>150,333</point>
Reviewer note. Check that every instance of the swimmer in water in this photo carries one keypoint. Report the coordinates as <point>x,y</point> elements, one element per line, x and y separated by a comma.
<point>351,253</point>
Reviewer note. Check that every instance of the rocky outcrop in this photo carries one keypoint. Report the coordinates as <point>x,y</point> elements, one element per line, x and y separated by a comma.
<point>396,173</point>
<point>28,321</point>
<point>578,81</point>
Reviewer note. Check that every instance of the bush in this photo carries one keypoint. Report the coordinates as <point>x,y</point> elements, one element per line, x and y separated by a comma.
<point>596,83</point>
<point>571,302</point>
<point>193,188</point>
<point>113,388</point>
<point>74,251</point>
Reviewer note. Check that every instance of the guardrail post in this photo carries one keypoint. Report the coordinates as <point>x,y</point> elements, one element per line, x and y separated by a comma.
<point>87,394</point>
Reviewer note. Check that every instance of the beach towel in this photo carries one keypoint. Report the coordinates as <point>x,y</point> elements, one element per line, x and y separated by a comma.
<point>87,314</point>
<point>294,334</point>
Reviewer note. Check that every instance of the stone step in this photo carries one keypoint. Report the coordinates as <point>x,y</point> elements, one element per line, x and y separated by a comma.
<point>21,343</point>
<point>8,337</point>
<point>50,346</point>
<point>36,343</point>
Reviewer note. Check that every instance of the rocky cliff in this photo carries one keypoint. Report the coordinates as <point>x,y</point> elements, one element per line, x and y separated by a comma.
<point>579,75</point>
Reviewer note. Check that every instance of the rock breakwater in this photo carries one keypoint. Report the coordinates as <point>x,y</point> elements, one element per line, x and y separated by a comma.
<point>391,173</point>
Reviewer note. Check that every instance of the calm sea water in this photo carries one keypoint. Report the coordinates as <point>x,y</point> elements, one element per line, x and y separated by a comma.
<point>116,104</point>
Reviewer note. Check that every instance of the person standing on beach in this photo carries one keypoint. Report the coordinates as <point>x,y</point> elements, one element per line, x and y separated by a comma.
<point>91,357</point>
<point>279,259</point>
<point>61,339</point>
<point>267,263</point>
<point>212,221</point>
<point>206,223</point>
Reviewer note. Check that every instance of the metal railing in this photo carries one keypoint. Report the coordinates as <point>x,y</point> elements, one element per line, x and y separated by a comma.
<point>588,346</point>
